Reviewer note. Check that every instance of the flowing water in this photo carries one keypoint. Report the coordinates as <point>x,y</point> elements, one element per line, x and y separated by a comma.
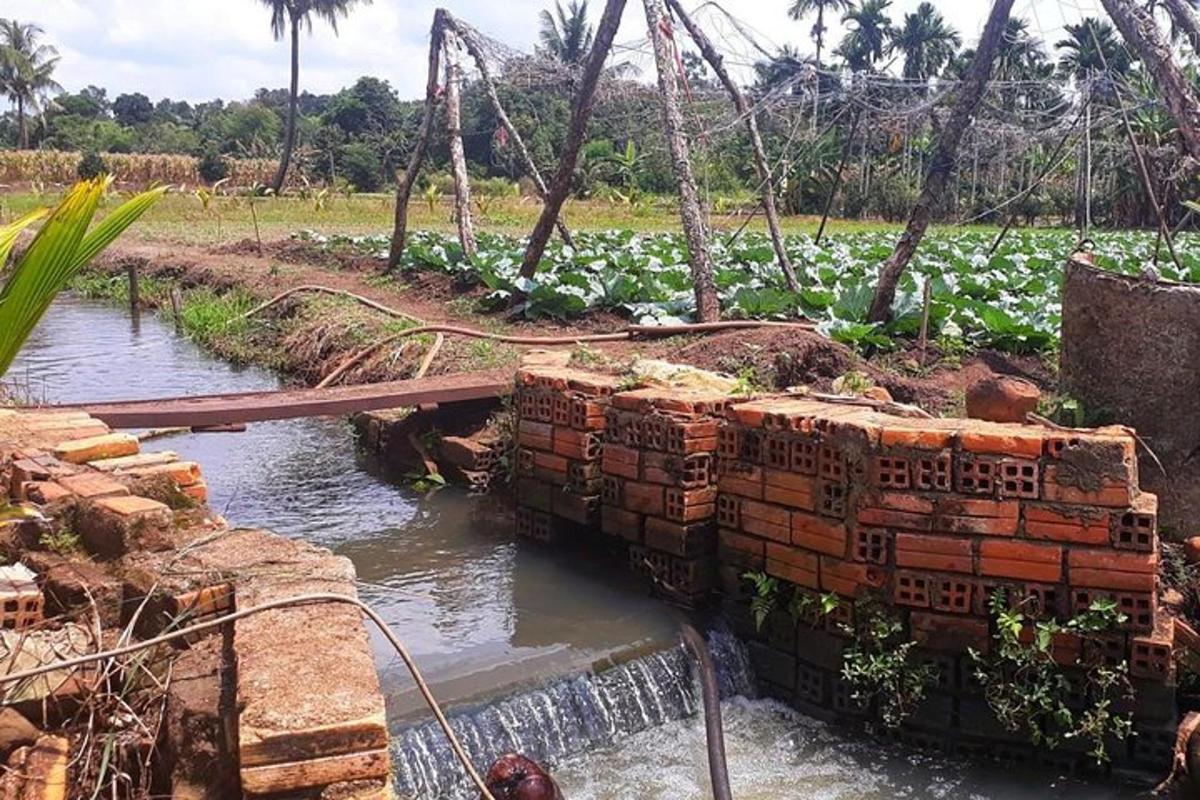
<point>547,653</point>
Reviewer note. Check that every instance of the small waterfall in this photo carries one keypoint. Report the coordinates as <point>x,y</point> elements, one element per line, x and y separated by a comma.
<point>565,717</point>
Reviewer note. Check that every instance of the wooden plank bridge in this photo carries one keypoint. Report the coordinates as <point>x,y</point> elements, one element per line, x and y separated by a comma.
<point>240,408</point>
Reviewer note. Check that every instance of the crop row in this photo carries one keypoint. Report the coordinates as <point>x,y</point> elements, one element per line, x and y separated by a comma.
<point>1008,300</point>
<point>139,169</point>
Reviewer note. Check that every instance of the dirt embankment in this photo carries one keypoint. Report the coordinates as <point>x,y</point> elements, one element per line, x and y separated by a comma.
<point>310,338</point>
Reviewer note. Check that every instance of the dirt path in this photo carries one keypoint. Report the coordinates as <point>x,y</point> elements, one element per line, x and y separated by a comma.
<point>774,358</point>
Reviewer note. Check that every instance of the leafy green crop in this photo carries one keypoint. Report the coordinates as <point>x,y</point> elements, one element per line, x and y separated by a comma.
<point>1008,300</point>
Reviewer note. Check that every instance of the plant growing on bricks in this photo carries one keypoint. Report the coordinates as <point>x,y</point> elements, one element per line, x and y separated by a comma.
<point>1027,686</point>
<point>880,667</point>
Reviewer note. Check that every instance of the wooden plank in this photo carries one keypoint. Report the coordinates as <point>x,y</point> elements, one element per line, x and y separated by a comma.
<point>224,409</point>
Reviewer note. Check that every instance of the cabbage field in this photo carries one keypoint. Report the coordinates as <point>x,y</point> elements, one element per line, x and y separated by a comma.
<point>1007,301</point>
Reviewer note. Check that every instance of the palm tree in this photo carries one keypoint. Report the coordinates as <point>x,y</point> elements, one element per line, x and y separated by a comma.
<point>567,37</point>
<point>802,8</point>
<point>1020,56</point>
<point>290,15</point>
<point>927,42</point>
<point>26,70</point>
<point>1080,59</point>
<point>864,43</point>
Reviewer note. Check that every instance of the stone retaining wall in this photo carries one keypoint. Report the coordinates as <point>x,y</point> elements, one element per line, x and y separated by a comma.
<point>285,703</point>
<point>926,517</point>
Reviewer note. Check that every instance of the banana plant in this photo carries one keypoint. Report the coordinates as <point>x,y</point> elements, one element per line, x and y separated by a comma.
<point>62,247</point>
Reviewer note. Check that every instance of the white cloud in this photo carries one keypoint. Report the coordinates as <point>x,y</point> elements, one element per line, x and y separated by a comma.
<point>200,49</point>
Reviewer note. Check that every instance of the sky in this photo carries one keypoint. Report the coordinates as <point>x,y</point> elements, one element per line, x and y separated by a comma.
<point>200,49</point>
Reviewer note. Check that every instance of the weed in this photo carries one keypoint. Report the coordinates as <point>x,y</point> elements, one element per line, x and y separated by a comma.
<point>1028,690</point>
<point>64,541</point>
<point>503,424</point>
<point>766,594</point>
<point>879,667</point>
<point>852,383</point>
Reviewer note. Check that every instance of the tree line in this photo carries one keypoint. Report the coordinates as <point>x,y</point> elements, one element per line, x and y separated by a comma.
<point>886,68</point>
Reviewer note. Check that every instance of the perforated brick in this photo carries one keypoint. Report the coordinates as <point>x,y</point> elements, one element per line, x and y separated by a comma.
<point>696,471</point>
<point>524,521</point>
<point>544,407</point>
<point>810,684</point>
<point>1019,478</point>
<point>1135,529</point>
<point>952,594</point>
<point>586,415</point>
<point>976,475</point>
<point>525,462</point>
<point>654,432</point>
<point>728,511</point>
<point>871,545</point>
<point>778,452</point>
<point>1137,608</point>
<point>1055,444</point>
<point>1042,601</point>
<point>932,472</point>
<point>561,411</point>
<point>751,446</point>
<point>831,499</point>
<point>840,618</point>
<point>1150,657</point>
<point>527,404</point>
<point>610,490</point>
<point>831,463</point>
<point>804,455</point>
<point>21,602</point>
<point>728,442</point>
<point>912,589</point>
<point>891,472</point>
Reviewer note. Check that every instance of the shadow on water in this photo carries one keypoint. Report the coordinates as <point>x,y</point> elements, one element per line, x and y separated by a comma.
<point>488,617</point>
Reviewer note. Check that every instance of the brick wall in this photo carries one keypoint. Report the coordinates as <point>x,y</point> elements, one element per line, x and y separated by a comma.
<point>928,516</point>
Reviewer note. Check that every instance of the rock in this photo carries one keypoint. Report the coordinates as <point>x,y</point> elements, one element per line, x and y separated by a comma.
<point>1191,550</point>
<point>878,394</point>
<point>1002,398</point>
<point>15,731</point>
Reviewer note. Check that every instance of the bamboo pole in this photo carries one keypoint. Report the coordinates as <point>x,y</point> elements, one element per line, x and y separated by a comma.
<point>417,157</point>
<point>761,166</point>
<point>708,307</point>
<point>458,159</point>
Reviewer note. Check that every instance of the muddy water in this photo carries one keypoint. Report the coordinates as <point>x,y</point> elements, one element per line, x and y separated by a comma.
<point>483,615</point>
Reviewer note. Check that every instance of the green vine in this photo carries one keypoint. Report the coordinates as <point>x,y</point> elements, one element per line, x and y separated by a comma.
<point>1027,689</point>
<point>766,594</point>
<point>878,667</point>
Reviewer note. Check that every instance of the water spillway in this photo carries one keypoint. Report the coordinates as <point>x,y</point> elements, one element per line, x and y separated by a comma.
<point>566,717</point>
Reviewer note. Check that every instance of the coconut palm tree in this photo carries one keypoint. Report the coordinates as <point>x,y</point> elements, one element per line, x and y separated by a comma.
<point>26,70</point>
<point>1021,55</point>
<point>926,41</point>
<point>802,8</point>
<point>566,35</point>
<point>288,16</point>
<point>1079,57</point>
<point>865,42</point>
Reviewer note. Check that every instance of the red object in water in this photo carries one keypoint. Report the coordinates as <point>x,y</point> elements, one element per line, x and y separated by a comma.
<point>515,777</point>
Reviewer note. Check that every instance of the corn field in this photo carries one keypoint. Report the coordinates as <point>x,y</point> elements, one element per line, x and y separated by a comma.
<point>133,170</point>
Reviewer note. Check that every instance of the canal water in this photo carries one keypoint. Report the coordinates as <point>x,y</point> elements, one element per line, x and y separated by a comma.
<point>512,636</point>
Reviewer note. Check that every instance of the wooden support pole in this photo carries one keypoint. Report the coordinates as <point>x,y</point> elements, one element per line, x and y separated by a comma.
<point>470,40</point>
<point>837,177</point>
<point>969,93</point>
<point>417,157</point>
<point>458,159</point>
<point>1184,16</point>
<point>1139,29</point>
<point>761,167</point>
<point>135,298</point>
<point>708,307</point>
<point>581,111</point>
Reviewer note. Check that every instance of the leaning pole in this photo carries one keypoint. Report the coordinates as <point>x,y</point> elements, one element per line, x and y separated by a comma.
<point>708,308</point>
<point>581,111</point>
<point>417,157</point>
<point>761,168</point>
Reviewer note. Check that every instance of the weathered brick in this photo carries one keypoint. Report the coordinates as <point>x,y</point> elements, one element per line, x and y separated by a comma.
<point>942,553</point>
<point>911,589</point>
<point>1105,491</point>
<point>111,445</point>
<point>1021,560</point>
<point>792,565</point>
<point>896,434</point>
<point>1017,441</point>
<point>534,493</point>
<point>768,530</point>
<point>621,523</point>
<point>845,578</point>
<point>620,460</point>
<point>754,509</point>
<point>741,478</point>
<point>576,508</point>
<point>690,505</point>
<point>1136,528</point>
<point>748,552</point>
<point>112,526</point>
<point>871,545</point>
<point>678,539</point>
<point>551,463</point>
<point>901,501</point>
<point>887,518</point>
<point>535,435</point>
<point>644,498</point>
<point>948,632</point>
<point>1068,524</point>
<point>818,534</point>
<point>578,445</point>
<point>1120,570</point>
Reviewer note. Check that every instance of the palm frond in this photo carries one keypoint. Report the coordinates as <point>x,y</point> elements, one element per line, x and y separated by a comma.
<point>62,247</point>
<point>10,232</point>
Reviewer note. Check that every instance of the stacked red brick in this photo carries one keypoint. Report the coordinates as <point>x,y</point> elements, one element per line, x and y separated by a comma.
<point>560,421</point>
<point>659,489</point>
<point>935,515</point>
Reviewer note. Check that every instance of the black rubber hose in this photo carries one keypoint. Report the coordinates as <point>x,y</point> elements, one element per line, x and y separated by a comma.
<point>714,731</point>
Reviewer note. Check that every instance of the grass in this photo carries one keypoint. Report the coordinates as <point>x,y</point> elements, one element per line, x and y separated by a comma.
<point>179,217</point>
